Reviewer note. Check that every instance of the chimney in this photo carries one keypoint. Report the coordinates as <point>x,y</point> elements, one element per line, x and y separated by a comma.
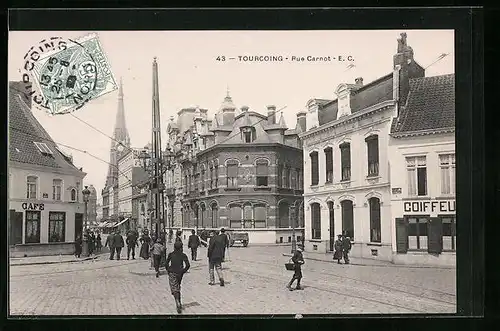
<point>405,68</point>
<point>244,109</point>
<point>301,120</point>
<point>359,81</point>
<point>271,114</point>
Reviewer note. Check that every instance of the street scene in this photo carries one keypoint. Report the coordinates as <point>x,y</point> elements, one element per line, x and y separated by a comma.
<point>179,181</point>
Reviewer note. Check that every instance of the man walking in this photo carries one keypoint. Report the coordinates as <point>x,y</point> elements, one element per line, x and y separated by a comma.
<point>346,247</point>
<point>298,261</point>
<point>338,249</point>
<point>110,242</point>
<point>131,243</point>
<point>193,243</point>
<point>225,239</point>
<point>119,244</point>
<point>215,254</point>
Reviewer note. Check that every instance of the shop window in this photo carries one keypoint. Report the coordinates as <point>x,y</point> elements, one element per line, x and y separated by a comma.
<point>262,173</point>
<point>260,216</point>
<point>447,164</point>
<point>417,176</point>
<point>449,233</point>
<point>373,157</point>
<point>314,168</point>
<point>345,161</point>
<point>32,227</point>
<point>56,189</point>
<point>57,226</point>
<point>235,216</point>
<point>347,218</point>
<point>232,174</point>
<point>329,164</point>
<point>417,233</point>
<point>316,220</point>
<point>32,187</point>
<point>375,228</point>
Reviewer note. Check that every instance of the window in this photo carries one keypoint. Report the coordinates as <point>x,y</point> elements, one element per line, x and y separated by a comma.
<point>248,134</point>
<point>56,189</point>
<point>77,191</point>
<point>417,176</point>
<point>345,160</point>
<point>280,175</point>
<point>247,216</point>
<point>329,164</point>
<point>347,218</point>
<point>216,179</point>
<point>283,215</point>
<point>300,182</point>
<point>293,179</point>
<point>43,148</point>
<point>215,215</point>
<point>32,227</point>
<point>449,233</point>
<point>331,217</point>
<point>31,191</point>
<point>447,164</point>
<point>375,228</point>
<point>186,184</point>
<point>260,216</point>
<point>202,179</point>
<point>73,197</point>
<point>372,147</point>
<point>417,233</point>
<point>283,176</point>
<point>262,173</point>
<point>201,215</point>
<point>235,216</point>
<point>316,220</point>
<point>286,176</point>
<point>232,174</point>
<point>211,175</point>
<point>57,226</point>
<point>314,168</point>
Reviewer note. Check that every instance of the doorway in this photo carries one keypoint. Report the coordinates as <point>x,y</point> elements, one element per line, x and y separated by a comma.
<point>78,225</point>
<point>332,225</point>
<point>16,227</point>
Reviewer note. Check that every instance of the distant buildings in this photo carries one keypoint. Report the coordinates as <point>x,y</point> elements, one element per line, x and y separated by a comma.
<point>92,206</point>
<point>46,210</point>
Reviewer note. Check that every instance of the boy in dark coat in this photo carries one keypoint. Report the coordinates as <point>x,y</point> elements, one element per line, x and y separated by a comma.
<point>177,265</point>
<point>215,254</point>
<point>119,244</point>
<point>298,261</point>
<point>131,243</point>
<point>338,249</point>
<point>193,243</point>
<point>346,247</point>
<point>110,242</point>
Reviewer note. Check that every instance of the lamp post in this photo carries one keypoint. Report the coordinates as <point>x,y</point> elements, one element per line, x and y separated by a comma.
<point>292,220</point>
<point>85,246</point>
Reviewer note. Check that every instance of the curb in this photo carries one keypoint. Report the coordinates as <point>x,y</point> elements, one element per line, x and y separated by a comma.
<point>53,262</point>
<point>391,265</point>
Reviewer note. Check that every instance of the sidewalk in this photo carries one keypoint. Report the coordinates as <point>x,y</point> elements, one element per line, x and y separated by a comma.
<point>357,261</point>
<point>51,259</point>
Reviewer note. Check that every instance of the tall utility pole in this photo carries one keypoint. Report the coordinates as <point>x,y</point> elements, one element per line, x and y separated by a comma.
<point>157,186</point>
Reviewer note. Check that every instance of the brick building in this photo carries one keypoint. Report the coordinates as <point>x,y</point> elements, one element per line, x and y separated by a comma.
<point>242,171</point>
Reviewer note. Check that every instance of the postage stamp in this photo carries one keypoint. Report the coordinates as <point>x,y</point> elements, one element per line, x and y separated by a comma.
<point>67,76</point>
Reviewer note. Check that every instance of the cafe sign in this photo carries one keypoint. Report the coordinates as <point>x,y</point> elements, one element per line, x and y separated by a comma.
<point>433,207</point>
<point>32,206</point>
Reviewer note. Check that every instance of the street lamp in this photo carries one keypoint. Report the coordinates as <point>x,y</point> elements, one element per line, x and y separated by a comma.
<point>85,248</point>
<point>292,220</point>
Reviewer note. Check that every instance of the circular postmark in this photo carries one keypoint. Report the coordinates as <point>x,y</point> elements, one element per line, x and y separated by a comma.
<point>63,74</point>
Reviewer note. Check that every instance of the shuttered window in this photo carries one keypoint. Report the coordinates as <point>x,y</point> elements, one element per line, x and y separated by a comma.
<point>401,235</point>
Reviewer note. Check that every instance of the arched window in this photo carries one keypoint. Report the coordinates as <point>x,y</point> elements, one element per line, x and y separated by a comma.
<point>372,148</point>
<point>262,171</point>
<point>283,215</point>
<point>247,216</point>
<point>347,218</point>
<point>73,197</point>
<point>215,215</point>
<point>32,187</point>
<point>211,175</point>
<point>260,215</point>
<point>232,173</point>
<point>329,164</point>
<point>316,220</point>
<point>314,168</point>
<point>331,216</point>
<point>345,161</point>
<point>375,228</point>
<point>235,216</point>
<point>202,215</point>
<point>216,173</point>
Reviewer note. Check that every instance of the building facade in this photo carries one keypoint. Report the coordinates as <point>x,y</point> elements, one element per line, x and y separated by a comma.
<point>423,190</point>
<point>241,171</point>
<point>92,206</point>
<point>46,211</point>
<point>347,164</point>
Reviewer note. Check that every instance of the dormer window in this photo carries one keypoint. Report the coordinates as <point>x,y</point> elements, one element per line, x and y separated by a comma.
<point>344,102</point>
<point>43,148</point>
<point>248,134</point>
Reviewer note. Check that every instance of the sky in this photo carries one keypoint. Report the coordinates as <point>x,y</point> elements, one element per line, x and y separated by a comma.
<point>190,75</point>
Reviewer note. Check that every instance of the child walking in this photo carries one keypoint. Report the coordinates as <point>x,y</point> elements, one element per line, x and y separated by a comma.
<point>298,260</point>
<point>157,251</point>
<point>177,265</point>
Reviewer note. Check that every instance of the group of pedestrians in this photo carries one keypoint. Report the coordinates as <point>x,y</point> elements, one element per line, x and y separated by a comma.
<point>94,242</point>
<point>342,248</point>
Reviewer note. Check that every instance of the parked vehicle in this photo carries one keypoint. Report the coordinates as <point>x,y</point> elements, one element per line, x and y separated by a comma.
<point>238,237</point>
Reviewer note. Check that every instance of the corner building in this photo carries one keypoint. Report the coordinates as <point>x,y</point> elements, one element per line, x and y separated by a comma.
<point>347,164</point>
<point>242,171</point>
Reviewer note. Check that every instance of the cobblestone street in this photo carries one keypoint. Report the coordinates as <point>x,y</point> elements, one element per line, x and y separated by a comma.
<point>255,278</point>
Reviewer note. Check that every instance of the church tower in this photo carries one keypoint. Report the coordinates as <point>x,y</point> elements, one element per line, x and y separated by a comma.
<point>121,137</point>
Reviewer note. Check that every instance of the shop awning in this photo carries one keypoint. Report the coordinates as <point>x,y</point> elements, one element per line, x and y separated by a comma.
<point>120,223</point>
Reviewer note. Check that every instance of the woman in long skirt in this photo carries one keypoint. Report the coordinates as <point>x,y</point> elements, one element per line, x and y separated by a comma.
<point>145,245</point>
<point>177,265</point>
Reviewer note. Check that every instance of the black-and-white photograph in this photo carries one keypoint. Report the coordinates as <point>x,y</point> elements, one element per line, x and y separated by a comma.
<point>231,172</point>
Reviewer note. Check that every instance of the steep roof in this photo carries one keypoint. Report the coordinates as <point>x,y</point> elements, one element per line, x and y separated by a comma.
<point>430,105</point>
<point>24,130</point>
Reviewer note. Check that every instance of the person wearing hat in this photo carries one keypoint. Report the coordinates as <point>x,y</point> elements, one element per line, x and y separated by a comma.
<point>193,244</point>
<point>298,261</point>
<point>215,253</point>
<point>346,247</point>
<point>177,265</point>
<point>157,251</point>
<point>338,249</point>
<point>225,240</point>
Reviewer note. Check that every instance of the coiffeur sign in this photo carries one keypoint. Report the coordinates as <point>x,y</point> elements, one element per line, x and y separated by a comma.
<point>433,207</point>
